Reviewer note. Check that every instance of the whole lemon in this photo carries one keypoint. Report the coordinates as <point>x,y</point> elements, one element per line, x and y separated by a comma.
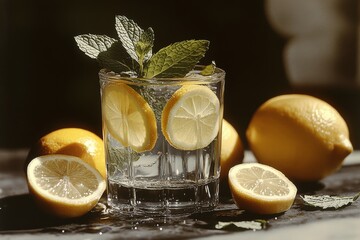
<point>74,142</point>
<point>232,150</point>
<point>300,135</point>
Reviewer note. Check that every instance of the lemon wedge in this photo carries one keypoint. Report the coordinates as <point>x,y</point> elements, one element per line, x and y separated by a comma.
<point>261,189</point>
<point>190,119</point>
<point>63,185</point>
<point>128,117</point>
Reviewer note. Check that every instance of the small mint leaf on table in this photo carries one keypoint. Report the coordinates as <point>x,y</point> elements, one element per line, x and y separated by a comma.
<point>129,34</point>
<point>177,59</point>
<point>325,202</point>
<point>92,44</point>
<point>253,225</point>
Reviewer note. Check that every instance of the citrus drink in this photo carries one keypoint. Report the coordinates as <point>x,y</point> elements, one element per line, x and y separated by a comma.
<point>162,142</point>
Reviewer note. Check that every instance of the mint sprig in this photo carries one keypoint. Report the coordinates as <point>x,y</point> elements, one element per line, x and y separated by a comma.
<point>132,52</point>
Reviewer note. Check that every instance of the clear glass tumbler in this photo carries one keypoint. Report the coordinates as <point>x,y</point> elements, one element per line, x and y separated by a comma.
<point>162,141</point>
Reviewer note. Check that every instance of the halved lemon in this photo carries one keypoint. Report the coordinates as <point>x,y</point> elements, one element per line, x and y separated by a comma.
<point>190,119</point>
<point>64,185</point>
<point>128,117</point>
<point>261,189</point>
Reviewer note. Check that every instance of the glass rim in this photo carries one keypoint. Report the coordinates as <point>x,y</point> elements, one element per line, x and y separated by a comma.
<point>109,76</point>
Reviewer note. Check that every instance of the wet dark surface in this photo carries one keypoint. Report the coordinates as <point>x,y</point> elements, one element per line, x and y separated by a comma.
<point>19,214</point>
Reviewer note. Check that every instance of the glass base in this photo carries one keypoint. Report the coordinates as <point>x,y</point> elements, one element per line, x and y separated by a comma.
<point>179,199</point>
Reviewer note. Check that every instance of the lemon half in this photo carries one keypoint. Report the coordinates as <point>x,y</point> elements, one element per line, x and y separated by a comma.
<point>261,189</point>
<point>63,185</point>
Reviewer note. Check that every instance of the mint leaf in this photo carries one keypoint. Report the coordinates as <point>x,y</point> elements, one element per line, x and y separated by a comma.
<point>92,44</point>
<point>144,46</point>
<point>328,202</point>
<point>105,61</point>
<point>209,69</point>
<point>115,59</point>
<point>177,59</point>
<point>253,225</point>
<point>129,34</point>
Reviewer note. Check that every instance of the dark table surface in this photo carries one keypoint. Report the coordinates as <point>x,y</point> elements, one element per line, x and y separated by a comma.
<point>20,219</point>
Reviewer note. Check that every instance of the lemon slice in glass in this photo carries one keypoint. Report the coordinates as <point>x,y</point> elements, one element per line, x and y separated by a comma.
<point>190,119</point>
<point>64,185</point>
<point>261,189</point>
<point>128,117</point>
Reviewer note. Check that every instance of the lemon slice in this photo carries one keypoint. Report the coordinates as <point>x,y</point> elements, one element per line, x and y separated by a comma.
<point>261,189</point>
<point>128,117</point>
<point>190,119</point>
<point>64,185</point>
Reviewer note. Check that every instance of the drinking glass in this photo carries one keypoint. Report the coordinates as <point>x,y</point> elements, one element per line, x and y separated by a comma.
<point>147,174</point>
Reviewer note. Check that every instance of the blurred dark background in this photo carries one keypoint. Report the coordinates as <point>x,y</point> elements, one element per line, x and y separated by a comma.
<point>46,82</point>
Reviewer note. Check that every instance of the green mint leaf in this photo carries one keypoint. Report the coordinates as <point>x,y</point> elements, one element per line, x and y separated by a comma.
<point>107,62</point>
<point>92,44</point>
<point>328,202</point>
<point>253,225</point>
<point>129,34</point>
<point>144,46</point>
<point>115,59</point>
<point>209,69</point>
<point>177,59</point>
